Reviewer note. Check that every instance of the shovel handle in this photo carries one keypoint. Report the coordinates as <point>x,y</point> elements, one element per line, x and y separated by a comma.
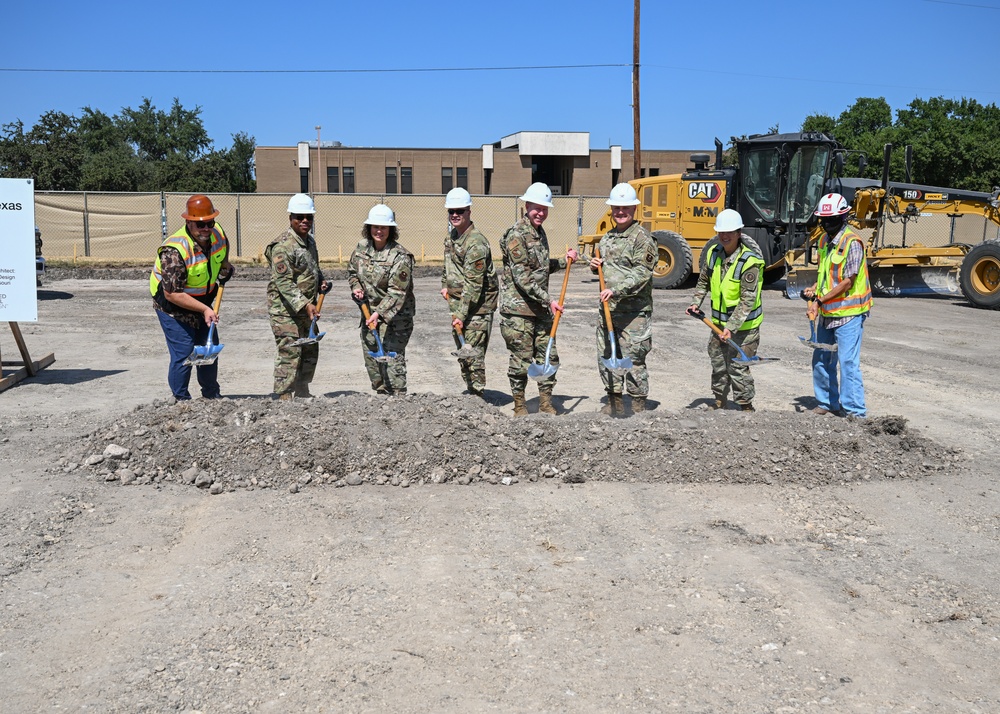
<point>600,278</point>
<point>319,303</point>
<point>562,299</point>
<point>218,299</point>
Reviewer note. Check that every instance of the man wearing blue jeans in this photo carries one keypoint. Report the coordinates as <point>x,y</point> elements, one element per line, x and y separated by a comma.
<point>190,265</point>
<point>842,300</point>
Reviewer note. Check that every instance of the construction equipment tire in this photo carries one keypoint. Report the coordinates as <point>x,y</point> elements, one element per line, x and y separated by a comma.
<point>980,275</point>
<point>675,260</point>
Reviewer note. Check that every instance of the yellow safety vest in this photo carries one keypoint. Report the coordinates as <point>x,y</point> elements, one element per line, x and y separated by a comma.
<point>832,257</point>
<point>202,270</point>
<point>726,288</point>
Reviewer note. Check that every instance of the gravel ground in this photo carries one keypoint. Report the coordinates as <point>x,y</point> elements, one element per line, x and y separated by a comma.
<point>209,556</point>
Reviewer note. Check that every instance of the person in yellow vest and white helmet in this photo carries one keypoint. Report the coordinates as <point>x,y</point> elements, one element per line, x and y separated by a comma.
<point>733,275</point>
<point>842,299</point>
<point>185,279</point>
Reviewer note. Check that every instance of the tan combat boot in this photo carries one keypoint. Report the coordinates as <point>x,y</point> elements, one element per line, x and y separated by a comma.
<point>545,401</point>
<point>520,408</point>
<point>285,397</point>
<point>614,407</point>
<point>638,405</point>
<point>747,408</point>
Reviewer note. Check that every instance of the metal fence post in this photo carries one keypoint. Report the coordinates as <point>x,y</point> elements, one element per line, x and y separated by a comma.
<point>86,227</point>
<point>239,243</point>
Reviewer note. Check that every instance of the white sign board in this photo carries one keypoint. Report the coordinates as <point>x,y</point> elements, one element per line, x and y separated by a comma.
<point>18,295</point>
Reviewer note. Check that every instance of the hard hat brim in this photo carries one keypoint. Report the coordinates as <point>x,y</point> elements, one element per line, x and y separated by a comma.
<point>634,202</point>
<point>209,217</point>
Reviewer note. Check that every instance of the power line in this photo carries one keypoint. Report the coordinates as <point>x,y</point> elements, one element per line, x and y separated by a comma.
<point>963,4</point>
<point>307,71</point>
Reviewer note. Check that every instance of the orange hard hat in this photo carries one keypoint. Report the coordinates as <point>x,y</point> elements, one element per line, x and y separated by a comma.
<point>199,208</point>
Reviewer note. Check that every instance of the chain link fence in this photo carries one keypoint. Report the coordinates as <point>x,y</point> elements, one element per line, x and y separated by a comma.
<point>128,227</point>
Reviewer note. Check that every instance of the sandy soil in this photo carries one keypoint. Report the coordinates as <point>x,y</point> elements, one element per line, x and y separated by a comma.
<point>679,560</point>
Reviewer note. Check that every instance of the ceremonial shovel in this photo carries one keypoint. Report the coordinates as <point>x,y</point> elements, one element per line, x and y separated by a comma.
<point>541,371</point>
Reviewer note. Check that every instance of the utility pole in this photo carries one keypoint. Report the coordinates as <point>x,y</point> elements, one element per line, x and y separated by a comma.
<point>317,178</point>
<point>637,150</point>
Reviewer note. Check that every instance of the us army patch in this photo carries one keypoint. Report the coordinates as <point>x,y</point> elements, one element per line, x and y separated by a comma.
<point>480,264</point>
<point>750,277</point>
<point>515,252</point>
<point>403,275</point>
<point>280,268</point>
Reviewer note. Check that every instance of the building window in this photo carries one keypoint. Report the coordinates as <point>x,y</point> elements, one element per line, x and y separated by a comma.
<point>303,180</point>
<point>390,179</point>
<point>446,182</point>
<point>332,179</point>
<point>348,179</point>
<point>654,172</point>
<point>463,178</point>
<point>406,179</point>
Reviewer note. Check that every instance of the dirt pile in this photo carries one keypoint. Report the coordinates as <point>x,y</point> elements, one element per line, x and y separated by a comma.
<point>422,438</point>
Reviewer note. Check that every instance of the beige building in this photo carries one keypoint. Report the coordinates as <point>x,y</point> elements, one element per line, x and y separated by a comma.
<point>563,160</point>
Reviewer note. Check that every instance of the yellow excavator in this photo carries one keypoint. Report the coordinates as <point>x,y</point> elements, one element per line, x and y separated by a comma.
<point>778,180</point>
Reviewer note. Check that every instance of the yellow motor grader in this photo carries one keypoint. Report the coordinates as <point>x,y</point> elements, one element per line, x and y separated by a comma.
<point>778,180</point>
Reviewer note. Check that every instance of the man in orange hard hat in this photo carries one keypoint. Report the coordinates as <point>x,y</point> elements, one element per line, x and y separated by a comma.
<point>190,266</point>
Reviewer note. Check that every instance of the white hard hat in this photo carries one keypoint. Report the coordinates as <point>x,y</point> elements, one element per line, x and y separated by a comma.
<point>457,198</point>
<point>728,220</point>
<point>623,195</point>
<point>381,215</point>
<point>538,193</point>
<point>301,203</point>
<point>832,204</point>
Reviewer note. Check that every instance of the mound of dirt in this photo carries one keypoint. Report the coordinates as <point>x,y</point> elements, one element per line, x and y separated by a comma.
<point>422,438</point>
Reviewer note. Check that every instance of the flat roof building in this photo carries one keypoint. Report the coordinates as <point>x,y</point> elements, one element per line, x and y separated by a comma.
<point>563,160</point>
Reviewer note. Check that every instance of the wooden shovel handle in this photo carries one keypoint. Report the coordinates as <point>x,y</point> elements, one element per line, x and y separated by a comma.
<point>218,299</point>
<point>600,277</point>
<point>319,303</point>
<point>365,311</point>
<point>562,298</point>
<point>715,328</point>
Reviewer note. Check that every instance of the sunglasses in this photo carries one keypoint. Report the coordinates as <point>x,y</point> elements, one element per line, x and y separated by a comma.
<point>302,216</point>
<point>456,211</point>
<point>205,224</point>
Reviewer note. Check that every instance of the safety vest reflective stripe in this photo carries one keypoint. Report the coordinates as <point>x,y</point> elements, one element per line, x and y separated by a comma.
<point>726,288</point>
<point>858,298</point>
<point>202,270</point>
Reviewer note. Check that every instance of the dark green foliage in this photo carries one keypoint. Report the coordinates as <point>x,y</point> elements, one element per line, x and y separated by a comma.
<point>956,143</point>
<point>143,149</point>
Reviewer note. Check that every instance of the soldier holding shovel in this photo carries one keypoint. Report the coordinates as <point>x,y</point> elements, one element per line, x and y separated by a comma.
<point>469,284</point>
<point>627,255</point>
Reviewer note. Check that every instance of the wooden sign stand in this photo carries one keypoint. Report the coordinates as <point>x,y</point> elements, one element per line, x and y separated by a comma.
<point>27,367</point>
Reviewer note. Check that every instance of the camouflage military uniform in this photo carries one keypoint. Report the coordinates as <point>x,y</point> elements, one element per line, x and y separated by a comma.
<point>295,282</point>
<point>525,311</point>
<point>725,372</point>
<point>386,277</point>
<point>471,281</point>
<point>629,257</point>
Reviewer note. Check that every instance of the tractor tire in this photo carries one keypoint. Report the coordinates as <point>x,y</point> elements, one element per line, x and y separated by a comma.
<point>980,275</point>
<point>675,260</point>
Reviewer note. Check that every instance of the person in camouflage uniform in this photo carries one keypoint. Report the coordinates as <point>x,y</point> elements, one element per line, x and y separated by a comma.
<point>469,284</point>
<point>733,275</point>
<point>526,308</point>
<point>628,255</point>
<point>380,273</point>
<point>296,282</point>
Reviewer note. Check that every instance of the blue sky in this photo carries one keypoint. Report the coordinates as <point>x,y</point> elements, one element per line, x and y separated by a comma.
<point>709,69</point>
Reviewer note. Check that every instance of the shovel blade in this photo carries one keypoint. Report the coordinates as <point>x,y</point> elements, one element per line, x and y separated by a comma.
<point>617,366</point>
<point>541,371</point>
<point>203,355</point>
<point>466,352</point>
<point>818,345</point>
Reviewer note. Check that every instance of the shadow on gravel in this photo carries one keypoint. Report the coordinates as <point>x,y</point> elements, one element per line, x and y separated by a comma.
<point>52,375</point>
<point>54,295</point>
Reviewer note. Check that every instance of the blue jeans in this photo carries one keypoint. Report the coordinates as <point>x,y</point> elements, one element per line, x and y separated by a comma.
<point>849,393</point>
<point>181,341</point>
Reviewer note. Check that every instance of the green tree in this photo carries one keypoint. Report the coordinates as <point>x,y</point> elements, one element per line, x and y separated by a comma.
<point>56,154</point>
